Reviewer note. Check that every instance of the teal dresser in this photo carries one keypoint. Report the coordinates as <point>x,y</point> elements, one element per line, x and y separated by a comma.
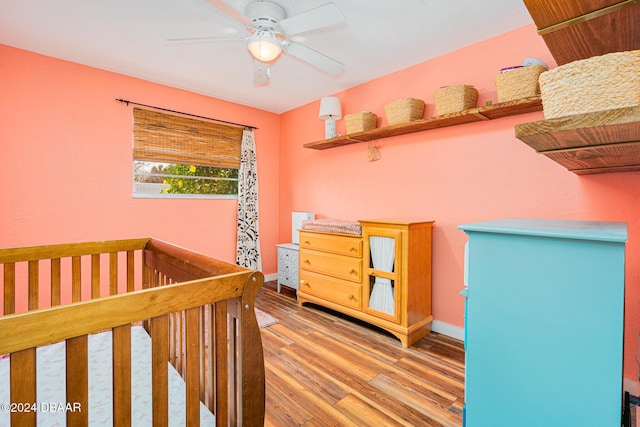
<point>544,323</point>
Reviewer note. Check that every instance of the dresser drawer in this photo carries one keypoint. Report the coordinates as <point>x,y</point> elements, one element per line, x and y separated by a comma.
<point>338,291</point>
<point>339,266</point>
<point>334,243</point>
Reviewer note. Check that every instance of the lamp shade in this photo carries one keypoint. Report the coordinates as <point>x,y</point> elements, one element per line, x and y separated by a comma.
<point>330,108</point>
<point>264,46</point>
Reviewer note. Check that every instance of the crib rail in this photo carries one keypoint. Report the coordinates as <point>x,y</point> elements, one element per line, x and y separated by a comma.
<point>74,253</point>
<point>199,313</point>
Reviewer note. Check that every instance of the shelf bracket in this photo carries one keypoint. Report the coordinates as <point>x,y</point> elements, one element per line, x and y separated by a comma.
<point>478,114</point>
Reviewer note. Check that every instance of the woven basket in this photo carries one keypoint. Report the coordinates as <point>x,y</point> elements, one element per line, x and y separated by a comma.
<point>404,110</point>
<point>593,84</point>
<point>519,83</point>
<point>452,99</point>
<point>359,122</point>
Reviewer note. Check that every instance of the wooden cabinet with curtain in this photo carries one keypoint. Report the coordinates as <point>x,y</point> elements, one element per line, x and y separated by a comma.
<point>382,277</point>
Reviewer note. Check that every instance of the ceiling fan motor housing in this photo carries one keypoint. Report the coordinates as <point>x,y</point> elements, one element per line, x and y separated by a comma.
<point>265,13</point>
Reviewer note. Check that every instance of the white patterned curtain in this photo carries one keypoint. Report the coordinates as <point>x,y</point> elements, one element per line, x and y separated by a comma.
<point>382,256</point>
<point>248,242</point>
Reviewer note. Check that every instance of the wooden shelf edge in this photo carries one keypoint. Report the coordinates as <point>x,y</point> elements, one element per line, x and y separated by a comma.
<point>596,142</point>
<point>593,171</point>
<point>490,112</point>
<point>582,130</point>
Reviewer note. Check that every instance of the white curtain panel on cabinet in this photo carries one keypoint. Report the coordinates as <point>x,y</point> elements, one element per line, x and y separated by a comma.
<point>383,258</point>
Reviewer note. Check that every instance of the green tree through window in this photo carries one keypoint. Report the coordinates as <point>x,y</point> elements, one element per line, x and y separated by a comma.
<point>200,180</point>
<point>158,178</point>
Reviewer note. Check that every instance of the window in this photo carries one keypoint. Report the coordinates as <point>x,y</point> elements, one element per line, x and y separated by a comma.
<point>175,156</point>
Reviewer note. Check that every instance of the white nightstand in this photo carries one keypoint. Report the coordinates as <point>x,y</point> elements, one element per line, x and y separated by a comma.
<point>288,265</point>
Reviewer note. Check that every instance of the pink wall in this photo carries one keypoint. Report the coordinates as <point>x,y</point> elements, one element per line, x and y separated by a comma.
<point>65,149</point>
<point>454,175</point>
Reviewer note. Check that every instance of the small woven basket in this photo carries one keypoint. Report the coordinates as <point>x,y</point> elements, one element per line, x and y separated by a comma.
<point>359,122</point>
<point>519,83</point>
<point>594,84</point>
<point>452,99</point>
<point>404,110</point>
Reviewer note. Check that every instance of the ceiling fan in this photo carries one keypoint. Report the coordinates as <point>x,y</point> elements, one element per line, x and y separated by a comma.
<point>270,34</point>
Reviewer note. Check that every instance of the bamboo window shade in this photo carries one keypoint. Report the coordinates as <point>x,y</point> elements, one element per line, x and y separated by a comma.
<point>167,138</point>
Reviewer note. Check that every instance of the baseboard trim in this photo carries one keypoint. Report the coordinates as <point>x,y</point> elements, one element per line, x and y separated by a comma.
<point>270,277</point>
<point>452,331</point>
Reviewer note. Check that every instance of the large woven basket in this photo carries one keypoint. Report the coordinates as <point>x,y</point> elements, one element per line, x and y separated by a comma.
<point>593,84</point>
<point>452,99</point>
<point>404,110</point>
<point>519,83</point>
<point>359,122</point>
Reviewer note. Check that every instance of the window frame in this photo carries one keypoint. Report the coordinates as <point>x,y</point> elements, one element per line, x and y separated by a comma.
<point>169,139</point>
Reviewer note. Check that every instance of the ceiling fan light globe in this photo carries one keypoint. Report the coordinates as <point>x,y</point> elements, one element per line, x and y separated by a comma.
<point>264,47</point>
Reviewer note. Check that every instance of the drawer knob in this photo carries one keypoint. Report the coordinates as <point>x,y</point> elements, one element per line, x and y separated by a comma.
<point>352,249</point>
<point>302,282</point>
<point>306,261</point>
<point>353,271</point>
<point>352,298</point>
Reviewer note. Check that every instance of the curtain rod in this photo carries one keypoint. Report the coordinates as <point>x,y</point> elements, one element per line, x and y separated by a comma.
<point>186,114</point>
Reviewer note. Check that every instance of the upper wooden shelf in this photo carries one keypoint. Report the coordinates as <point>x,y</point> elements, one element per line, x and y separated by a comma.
<point>490,112</point>
<point>604,141</point>
<point>579,29</point>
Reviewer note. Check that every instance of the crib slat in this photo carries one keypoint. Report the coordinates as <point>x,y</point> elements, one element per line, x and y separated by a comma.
<point>147,277</point>
<point>178,340</point>
<point>192,362</point>
<point>34,268</point>
<point>23,385</point>
<point>76,279</point>
<point>9,289</point>
<point>95,276</point>
<point>122,375</point>
<point>78,380</point>
<point>234,365</point>
<point>209,359</point>
<point>55,282</point>
<point>221,366</point>
<point>159,372</point>
<point>202,354</point>
<point>130,271</point>
<point>113,273</point>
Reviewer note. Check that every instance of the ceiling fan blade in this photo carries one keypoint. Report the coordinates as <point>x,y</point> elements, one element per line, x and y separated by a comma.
<point>313,57</point>
<point>205,39</point>
<point>229,10</point>
<point>261,73</point>
<point>322,16</point>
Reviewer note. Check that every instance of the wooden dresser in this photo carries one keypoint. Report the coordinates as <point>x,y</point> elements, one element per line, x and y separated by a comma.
<point>382,277</point>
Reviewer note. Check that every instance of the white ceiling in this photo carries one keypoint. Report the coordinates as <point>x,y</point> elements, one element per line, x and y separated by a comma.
<point>129,37</point>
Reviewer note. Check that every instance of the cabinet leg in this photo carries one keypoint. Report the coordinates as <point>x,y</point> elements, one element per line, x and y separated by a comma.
<point>409,339</point>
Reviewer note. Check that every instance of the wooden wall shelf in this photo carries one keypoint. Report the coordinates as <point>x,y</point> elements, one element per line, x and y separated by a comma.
<point>490,112</point>
<point>604,141</point>
<point>579,29</point>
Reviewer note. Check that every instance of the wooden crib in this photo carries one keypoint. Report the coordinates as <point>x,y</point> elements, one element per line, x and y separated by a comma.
<point>198,311</point>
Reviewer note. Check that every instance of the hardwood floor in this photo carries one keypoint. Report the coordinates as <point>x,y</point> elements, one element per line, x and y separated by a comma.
<point>324,369</point>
